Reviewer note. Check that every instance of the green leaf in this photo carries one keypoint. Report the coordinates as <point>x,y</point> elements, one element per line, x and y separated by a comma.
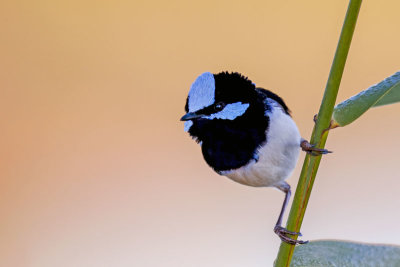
<point>332,253</point>
<point>383,93</point>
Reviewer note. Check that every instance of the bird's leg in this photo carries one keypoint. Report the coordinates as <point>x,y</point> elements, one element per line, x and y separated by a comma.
<point>278,229</point>
<point>311,149</point>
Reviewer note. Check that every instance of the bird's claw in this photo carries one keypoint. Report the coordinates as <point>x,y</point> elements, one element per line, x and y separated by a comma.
<point>312,150</point>
<point>282,232</point>
<point>332,125</point>
<point>285,231</point>
<point>317,151</point>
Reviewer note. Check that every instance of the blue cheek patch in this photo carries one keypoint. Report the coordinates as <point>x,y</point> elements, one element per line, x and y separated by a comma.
<point>230,112</point>
<point>188,124</point>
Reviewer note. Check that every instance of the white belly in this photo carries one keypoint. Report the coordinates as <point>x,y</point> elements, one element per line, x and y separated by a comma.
<point>277,158</point>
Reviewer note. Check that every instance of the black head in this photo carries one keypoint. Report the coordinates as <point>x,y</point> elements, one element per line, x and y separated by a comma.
<point>227,114</point>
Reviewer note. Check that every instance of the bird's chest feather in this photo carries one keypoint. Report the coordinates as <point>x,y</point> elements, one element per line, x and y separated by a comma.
<point>277,157</point>
<point>230,150</point>
<point>228,145</point>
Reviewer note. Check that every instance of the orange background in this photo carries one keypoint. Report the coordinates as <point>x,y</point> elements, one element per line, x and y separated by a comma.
<point>96,169</point>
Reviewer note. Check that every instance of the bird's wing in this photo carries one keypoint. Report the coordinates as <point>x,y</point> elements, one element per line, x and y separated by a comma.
<point>271,95</point>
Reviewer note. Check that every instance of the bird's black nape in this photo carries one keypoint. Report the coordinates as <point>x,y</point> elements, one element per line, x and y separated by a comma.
<point>234,78</point>
<point>238,87</point>
<point>233,87</point>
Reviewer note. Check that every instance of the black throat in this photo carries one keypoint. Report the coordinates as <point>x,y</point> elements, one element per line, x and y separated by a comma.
<point>228,145</point>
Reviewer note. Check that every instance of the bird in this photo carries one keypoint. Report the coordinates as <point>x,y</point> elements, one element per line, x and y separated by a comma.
<point>246,133</point>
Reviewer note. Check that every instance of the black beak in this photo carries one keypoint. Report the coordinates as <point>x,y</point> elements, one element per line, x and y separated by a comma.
<point>190,116</point>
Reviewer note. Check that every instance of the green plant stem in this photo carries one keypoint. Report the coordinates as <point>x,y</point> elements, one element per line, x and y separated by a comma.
<point>319,135</point>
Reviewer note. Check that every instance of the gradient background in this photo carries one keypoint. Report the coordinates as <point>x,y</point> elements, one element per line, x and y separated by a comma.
<point>96,169</point>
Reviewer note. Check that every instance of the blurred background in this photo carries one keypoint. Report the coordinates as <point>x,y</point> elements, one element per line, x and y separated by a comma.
<point>96,170</point>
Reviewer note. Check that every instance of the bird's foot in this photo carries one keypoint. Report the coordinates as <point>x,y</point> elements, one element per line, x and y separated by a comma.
<point>332,125</point>
<point>312,150</point>
<point>282,232</point>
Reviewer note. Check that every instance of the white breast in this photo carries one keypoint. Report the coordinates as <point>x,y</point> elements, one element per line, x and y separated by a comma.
<point>277,158</point>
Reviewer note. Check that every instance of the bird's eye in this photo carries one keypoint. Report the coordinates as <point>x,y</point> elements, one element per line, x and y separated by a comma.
<point>219,106</point>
